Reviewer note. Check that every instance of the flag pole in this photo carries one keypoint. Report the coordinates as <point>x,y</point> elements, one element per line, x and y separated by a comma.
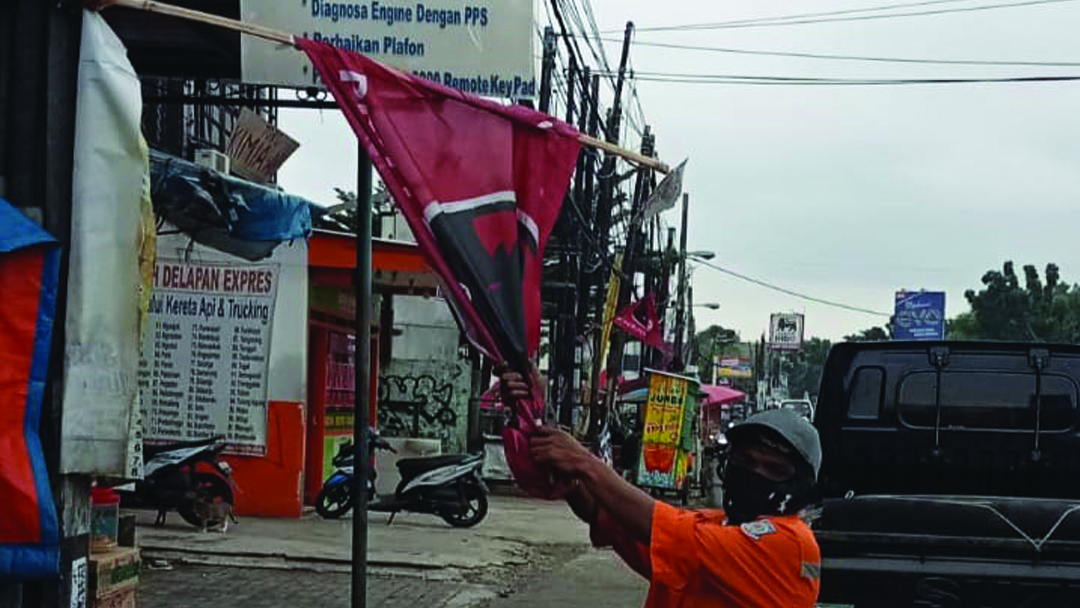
<point>288,39</point>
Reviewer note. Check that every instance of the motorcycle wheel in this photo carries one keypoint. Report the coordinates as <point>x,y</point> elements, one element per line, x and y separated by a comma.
<point>334,501</point>
<point>472,511</point>
<point>210,488</point>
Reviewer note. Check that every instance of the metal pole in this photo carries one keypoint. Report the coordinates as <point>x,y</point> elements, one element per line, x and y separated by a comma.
<point>547,68</point>
<point>679,362</point>
<point>362,384</point>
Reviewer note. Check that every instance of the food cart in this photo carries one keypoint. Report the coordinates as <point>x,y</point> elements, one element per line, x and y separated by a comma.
<point>669,441</point>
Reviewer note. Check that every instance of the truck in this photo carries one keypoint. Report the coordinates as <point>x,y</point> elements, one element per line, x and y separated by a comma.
<point>950,475</point>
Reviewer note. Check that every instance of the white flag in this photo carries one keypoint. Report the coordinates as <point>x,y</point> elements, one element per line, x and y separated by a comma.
<point>666,194</point>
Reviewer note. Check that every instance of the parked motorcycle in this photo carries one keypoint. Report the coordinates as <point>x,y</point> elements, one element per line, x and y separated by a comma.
<point>447,486</point>
<point>174,479</point>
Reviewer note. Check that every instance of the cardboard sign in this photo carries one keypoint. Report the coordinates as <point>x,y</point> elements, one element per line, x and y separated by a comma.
<point>257,149</point>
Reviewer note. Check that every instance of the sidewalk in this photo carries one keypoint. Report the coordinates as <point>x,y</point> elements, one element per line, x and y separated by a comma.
<point>507,538</point>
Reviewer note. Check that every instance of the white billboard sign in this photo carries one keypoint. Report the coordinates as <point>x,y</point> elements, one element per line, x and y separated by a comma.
<point>786,331</point>
<point>483,47</point>
<point>205,353</point>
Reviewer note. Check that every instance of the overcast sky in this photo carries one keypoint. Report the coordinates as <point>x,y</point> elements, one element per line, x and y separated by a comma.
<point>845,193</point>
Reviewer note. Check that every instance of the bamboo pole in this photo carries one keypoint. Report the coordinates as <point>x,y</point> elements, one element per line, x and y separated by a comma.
<point>286,38</point>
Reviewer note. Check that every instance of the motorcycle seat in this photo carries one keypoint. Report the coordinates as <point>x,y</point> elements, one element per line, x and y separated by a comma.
<point>411,467</point>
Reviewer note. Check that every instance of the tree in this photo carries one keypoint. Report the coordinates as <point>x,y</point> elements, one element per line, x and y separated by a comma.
<point>804,367</point>
<point>1033,312</point>
<point>715,340</point>
<point>962,327</point>
<point>342,217</point>
<point>874,334</point>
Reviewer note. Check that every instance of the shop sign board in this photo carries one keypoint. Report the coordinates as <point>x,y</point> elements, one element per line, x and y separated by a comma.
<point>786,331</point>
<point>668,437</point>
<point>484,47</point>
<point>919,315</point>
<point>205,353</point>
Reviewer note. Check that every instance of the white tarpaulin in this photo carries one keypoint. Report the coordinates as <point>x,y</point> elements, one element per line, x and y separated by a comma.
<point>109,240</point>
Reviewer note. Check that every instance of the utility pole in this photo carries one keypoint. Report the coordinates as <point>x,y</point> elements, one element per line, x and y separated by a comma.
<point>547,67</point>
<point>679,362</point>
<point>626,285</point>
<point>603,222</point>
<point>588,122</point>
<point>663,294</point>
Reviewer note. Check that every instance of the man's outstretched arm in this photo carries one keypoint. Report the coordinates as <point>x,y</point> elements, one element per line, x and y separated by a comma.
<point>627,506</point>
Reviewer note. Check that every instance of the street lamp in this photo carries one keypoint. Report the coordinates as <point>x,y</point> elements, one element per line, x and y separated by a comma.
<point>701,255</point>
<point>709,305</point>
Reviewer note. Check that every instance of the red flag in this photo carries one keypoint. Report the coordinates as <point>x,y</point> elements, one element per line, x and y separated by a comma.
<point>641,321</point>
<point>480,185</point>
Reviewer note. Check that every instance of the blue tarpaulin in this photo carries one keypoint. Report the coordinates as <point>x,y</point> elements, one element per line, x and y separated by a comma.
<point>223,212</point>
<point>29,274</point>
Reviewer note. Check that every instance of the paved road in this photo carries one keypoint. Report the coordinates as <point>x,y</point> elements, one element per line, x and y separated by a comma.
<point>593,579</point>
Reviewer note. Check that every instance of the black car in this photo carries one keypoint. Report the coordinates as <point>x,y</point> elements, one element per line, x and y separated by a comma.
<point>951,475</point>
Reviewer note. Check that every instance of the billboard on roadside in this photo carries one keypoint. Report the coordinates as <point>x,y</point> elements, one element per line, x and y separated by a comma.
<point>484,47</point>
<point>919,315</point>
<point>786,331</point>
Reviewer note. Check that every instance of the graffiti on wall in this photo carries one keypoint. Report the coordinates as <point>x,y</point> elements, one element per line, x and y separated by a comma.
<point>417,406</point>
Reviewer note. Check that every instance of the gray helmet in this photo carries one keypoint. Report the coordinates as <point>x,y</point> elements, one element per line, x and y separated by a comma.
<point>795,429</point>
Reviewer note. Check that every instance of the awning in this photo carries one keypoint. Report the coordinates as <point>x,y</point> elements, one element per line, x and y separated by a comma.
<point>397,267</point>
<point>718,396</point>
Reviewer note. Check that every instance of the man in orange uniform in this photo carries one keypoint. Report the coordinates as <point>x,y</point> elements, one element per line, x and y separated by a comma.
<point>757,552</point>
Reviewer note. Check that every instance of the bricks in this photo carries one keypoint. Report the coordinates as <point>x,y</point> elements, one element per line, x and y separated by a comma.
<point>225,587</point>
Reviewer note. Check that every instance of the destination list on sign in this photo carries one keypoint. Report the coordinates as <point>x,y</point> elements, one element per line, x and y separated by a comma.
<point>205,354</point>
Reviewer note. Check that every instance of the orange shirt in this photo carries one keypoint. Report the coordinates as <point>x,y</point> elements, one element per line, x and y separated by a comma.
<point>695,560</point>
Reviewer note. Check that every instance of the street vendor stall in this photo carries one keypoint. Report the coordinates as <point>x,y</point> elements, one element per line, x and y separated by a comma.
<point>716,409</point>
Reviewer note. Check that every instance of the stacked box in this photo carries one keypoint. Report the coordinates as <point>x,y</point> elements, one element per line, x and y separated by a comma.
<point>114,576</point>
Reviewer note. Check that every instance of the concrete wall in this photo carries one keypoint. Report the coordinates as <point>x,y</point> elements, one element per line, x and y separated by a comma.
<point>424,391</point>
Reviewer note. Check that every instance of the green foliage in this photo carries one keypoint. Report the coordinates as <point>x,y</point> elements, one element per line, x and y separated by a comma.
<point>1035,311</point>
<point>342,216</point>
<point>804,367</point>
<point>715,340</point>
<point>874,334</point>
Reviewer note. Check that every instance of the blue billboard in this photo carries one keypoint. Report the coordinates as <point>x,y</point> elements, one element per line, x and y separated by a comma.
<point>920,315</point>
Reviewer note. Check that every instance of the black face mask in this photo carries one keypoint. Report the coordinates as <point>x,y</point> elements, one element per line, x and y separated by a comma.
<point>749,495</point>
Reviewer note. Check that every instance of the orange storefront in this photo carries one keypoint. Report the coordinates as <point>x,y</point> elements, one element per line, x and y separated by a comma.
<point>397,268</point>
<point>302,434</point>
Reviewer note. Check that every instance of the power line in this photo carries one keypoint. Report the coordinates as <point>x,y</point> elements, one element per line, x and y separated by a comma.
<point>715,49</point>
<point>575,50</point>
<point>788,291</point>
<point>794,80</point>
<point>830,13</point>
<point>766,22</point>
